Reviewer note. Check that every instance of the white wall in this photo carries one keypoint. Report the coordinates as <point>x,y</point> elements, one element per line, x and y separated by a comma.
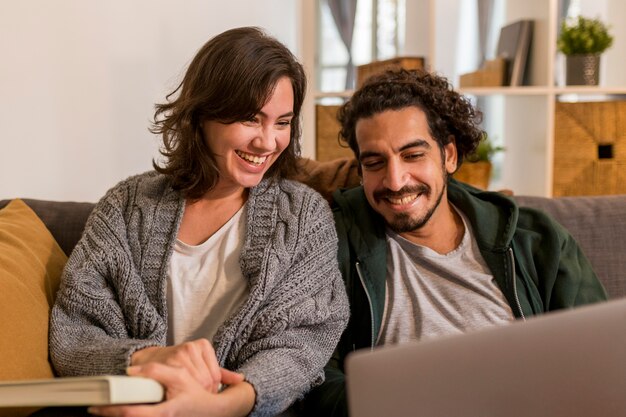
<point>79,79</point>
<point>417,28</point>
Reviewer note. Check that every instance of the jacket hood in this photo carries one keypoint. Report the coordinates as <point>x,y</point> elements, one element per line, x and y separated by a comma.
<point>480,207</point>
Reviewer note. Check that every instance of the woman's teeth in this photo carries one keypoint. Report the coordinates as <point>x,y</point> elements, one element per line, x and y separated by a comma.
<point>257,160</point>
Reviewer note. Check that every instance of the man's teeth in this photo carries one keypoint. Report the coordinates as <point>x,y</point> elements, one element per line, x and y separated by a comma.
<point>403,200</point>
<point>257,160</point>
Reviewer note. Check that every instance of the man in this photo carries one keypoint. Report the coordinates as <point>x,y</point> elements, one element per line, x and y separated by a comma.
<point>423,255</point>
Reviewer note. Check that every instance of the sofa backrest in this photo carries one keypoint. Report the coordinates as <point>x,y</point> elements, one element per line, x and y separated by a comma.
<point>597,223</point>
<point>65,219</point>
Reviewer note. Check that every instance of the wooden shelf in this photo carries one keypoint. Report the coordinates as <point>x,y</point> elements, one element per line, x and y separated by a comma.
<point>523,118</point>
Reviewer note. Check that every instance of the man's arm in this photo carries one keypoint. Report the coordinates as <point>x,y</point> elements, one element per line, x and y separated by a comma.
<point>326,177</point>
<point>329,399</point>
<point>564,275</point>
<point>576,281</point>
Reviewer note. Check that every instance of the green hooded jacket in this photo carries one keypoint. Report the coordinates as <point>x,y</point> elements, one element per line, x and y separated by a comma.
<point>536,263</point>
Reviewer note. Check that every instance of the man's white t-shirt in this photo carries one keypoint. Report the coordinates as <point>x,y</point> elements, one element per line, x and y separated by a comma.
<point>430,294</point>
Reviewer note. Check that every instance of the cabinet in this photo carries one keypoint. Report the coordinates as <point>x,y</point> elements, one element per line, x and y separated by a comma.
<point>522,119</point>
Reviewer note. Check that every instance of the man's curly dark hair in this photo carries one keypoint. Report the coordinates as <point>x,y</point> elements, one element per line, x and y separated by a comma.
<point>449,114</point>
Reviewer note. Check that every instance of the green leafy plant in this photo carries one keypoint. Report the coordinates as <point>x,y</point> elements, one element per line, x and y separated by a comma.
<point>584,36</point>
<point>485,150</point>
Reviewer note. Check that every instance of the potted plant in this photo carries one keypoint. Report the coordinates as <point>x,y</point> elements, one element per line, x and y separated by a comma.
<point>476,169</point>
<point>582,41</point>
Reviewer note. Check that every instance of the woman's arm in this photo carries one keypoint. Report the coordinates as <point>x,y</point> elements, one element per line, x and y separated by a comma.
<point>305,314</point>
<point>110,302</point>
<point>89,333</point>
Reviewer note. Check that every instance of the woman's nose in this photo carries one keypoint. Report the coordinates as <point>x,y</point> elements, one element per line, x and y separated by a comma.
<point>265,138</point>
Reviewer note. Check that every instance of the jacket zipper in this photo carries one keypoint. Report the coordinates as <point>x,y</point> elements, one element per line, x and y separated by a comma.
<point>512,266</point>
<point>369,300</point>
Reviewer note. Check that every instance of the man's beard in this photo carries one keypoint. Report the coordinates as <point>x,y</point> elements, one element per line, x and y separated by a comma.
<point>403,222</point>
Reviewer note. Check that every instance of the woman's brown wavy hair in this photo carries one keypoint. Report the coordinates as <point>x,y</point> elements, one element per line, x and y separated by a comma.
<point>449,114</point>
<point>229,80</point>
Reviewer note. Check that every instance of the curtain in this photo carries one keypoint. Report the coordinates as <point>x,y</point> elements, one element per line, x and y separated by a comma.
<point>559,59</point>
<point>344,14</point>
<point>485,21</point>
<point>563,9</point>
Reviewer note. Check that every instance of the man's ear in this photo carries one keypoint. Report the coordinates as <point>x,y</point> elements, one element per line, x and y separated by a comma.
<point>450,155</point>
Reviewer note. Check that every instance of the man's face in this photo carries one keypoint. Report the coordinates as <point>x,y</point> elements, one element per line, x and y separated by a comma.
<point>404,170</point>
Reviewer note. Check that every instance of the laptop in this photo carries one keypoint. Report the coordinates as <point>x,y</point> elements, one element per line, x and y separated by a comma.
<point>569,363</point>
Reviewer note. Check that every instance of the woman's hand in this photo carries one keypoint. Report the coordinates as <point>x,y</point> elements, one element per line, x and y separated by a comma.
<point>197,357</point>
<point>184,396</point>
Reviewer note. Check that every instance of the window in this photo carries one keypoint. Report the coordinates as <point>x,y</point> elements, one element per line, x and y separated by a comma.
<point>378,34</point>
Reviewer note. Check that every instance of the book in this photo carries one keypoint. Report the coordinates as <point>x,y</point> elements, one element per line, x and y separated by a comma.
<point>514,47</point>
<point>80,391</point>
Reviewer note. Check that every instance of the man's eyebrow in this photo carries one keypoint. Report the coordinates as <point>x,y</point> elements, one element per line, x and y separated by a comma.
<point>367,154</point>
<point>419,143</point>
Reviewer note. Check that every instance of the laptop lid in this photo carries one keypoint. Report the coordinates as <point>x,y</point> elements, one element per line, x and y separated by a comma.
<point>569,363</point>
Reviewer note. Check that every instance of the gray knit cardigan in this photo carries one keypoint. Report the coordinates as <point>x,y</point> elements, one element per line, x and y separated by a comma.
<point>112,303</point>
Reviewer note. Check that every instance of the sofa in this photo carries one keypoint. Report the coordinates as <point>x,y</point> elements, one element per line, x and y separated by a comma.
<point>597,223</point>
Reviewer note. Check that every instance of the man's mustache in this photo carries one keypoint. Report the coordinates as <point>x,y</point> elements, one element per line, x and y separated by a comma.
<point>412,189</point>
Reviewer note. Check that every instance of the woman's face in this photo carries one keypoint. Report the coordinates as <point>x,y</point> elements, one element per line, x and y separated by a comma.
<point>245,150</point>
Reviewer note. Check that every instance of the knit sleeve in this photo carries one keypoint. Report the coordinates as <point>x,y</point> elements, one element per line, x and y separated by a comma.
<point>90,332</point>
<point>306,313</point>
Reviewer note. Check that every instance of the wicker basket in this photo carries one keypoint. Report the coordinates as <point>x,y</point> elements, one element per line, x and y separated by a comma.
<point>476,174</point>
<point>327,128</point>
<point>367,70</point>
<point>492,74</point>
<point>590,148</point>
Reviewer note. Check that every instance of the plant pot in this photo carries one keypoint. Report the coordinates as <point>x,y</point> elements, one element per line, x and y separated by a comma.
<point>476,174</point>
<point>583,69</point>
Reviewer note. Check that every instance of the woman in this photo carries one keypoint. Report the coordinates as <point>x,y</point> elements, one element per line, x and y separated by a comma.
<point>212,270</point>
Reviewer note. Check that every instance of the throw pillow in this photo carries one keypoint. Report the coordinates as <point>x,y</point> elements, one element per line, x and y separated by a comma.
<point>31,263</point>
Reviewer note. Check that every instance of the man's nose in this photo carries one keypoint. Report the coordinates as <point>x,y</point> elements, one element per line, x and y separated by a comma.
<point>395,176</point>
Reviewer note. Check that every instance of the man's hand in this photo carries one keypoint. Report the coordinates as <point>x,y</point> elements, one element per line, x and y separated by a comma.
<point>197,357</point>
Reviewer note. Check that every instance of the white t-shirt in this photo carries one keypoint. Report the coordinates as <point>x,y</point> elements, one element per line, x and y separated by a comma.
<point>430,294</point>
<point>205,285</point>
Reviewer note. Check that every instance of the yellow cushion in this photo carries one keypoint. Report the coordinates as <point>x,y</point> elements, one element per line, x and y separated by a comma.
<point>31,263</point>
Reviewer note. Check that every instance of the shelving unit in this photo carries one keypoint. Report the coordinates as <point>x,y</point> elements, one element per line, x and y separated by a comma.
<point>523,117</point>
